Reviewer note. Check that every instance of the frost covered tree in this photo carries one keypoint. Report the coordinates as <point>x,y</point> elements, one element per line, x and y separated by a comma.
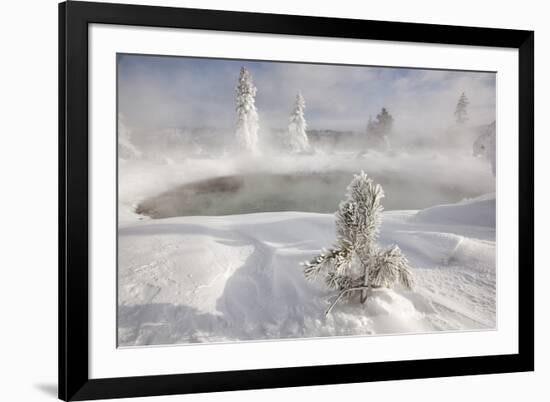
<point>378,130</point>
<point>297,140</point>
<point>485,145</point>
<point>384,121</point>
<point>247,115</point>
<point>461,110</point>
<point>356,263</point>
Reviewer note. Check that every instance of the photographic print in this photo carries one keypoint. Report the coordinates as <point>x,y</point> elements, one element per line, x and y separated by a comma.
<point>269,200</point>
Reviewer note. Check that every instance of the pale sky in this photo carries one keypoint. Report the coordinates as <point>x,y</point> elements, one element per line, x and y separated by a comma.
<point>161,92</point>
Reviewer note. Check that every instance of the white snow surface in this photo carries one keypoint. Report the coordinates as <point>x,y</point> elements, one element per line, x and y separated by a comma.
<point>478,212</point>
<point>235,278</point>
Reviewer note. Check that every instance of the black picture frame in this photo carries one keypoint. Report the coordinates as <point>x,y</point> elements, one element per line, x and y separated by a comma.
<point>74,381</point>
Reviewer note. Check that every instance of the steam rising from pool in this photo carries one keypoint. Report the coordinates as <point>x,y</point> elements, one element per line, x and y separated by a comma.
<point>301,191</point>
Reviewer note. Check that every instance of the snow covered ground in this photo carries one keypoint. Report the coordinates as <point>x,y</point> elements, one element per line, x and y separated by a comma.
<point>238,277</point>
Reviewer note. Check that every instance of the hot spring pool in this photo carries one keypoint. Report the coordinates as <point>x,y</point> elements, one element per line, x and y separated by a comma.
<point>302,191</point>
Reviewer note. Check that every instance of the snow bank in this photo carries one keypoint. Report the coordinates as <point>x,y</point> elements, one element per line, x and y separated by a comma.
<point>479,211</point>
<point>229,278</point>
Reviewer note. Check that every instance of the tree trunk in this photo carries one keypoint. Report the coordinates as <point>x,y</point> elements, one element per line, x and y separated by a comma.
<point>342,293</point>
<point>364,291</point>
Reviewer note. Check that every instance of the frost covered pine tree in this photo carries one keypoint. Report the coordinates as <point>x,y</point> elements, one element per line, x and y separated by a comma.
<point>378,130</point>
<point>297,140</point>
<point>356,263</point>
<point>461,110</point>
<point>384,121</point>
<point>485,145</point>
<point>247,115</point>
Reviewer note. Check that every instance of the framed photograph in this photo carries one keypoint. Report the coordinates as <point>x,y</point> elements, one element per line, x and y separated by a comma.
<point>258,201</point>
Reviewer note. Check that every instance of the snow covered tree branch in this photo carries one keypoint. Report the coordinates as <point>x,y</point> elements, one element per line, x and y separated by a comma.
<point>388,267</point>
<point>356,263</point>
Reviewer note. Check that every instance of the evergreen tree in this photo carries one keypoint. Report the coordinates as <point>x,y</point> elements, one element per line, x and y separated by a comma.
<point>461,110</point>
<point>378,130</point>
<point>297,136</point>
<point>485,145</point>
<point>355,262</point>
<point>247,115</point>
<point>384,122</point>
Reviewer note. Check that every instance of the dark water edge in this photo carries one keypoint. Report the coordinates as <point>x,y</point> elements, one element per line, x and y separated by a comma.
<point>302,191</point>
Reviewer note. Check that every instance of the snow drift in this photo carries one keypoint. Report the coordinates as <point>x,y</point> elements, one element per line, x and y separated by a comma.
<point>479,211</point>
<point>235,278</point>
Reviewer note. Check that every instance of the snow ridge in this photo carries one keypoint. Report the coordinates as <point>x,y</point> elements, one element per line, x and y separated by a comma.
<point>238,277</point>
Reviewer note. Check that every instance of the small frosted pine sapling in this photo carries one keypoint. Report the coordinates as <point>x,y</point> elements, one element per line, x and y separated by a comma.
<point>356,263</point>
